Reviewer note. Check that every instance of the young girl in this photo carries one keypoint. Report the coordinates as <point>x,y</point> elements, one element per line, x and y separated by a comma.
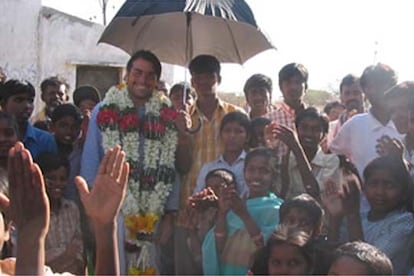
<point>8,137</point>
<point>288,252</point>
<point>243,226</point>
<point>234,133</point>
<point>389,223</point>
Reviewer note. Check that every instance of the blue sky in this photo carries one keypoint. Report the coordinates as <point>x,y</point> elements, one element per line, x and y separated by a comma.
<point>330,37</point>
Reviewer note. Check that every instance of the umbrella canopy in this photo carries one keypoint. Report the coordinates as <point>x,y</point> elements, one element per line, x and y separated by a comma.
<point>178,30</point>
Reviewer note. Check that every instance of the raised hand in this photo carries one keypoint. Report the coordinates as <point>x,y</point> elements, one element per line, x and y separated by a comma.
<point>287,136</point>
<point>103,202</point>
<point>332,199</point>
<point>225,199</point>
<point>387,146</point>
<point>270,136</point>
<point>29,208</point>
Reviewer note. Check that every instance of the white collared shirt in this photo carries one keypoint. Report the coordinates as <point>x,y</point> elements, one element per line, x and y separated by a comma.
<point>357,139</point>
<point>237,168</point>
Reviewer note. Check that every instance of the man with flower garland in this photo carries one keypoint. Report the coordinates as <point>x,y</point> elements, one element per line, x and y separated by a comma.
<point>156,143</point>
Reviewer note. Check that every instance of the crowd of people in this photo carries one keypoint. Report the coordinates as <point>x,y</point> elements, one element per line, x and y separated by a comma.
<point>145,179</point>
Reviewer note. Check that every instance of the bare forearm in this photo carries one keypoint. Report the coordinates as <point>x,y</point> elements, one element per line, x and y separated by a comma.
<point>106,250</point>
<point>305,170</point>
<point>252,228</point>
<point>220,232</point>
<point>30,259</point>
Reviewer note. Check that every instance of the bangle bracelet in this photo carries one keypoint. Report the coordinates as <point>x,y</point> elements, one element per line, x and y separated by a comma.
<point>219,234</point>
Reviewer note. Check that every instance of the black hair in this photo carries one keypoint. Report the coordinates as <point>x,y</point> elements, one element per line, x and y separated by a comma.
<point>227,175</point>
<point>86,92</point>
<point>331,105</point>
<point>148,56</point>
<point>49,161</point>
<point>53,81</point>
<point>237,117</point>
<point>294,69</point>
<point>379,74</point>
<point>283,235</point>
<point>65,110</point>
<point>254,123</point>
<point>348,80</point>
<point>263,152</point>
<point>313,113</point>
<point>375,261</point>
<point>189,91</point>
<point>13,87</point>
<point>306,203</point>
<point>204,64</point>
<point>399,171</point>
<point>258,80</point>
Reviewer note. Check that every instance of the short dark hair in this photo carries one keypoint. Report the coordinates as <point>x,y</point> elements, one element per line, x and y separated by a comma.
<point>189,91</point>
<point>53,81</point>
<point>399,171</point>
<point>258,80</point>
<point>86,92</point>
<point>259,121</point>
<point>283,235</point>
<point>148,56</point>
<point>313,113</point>
<point>204,64</point>
<point>236,116</point>
<point>331,105</point>
<point>227,175</point>
<point>294,69</point>
<point>306,203</point>
<point>65,110</point>
<point>381,74</point>
<point>49,161</point>
<point>375,261</point>
<point>348,80</point>
<point>13,87</point>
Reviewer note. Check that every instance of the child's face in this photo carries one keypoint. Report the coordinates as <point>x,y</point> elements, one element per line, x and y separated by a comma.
<point>258,99</point>
<point>8,137</point>
<point>310,133</point>
<point>293,89</point>
<point>398,107</point>
<point>21,106</point>
<point>66,130</point>
<point>259,176</point>
<point>299,219</point>
<point>348,266</point>
<point>233,136</point>
<point>56,181</point>
<point>258,136</point>
<point>383,192</point>
<point>215,183</point>
<point>286,259</point>
<point>86,105</point>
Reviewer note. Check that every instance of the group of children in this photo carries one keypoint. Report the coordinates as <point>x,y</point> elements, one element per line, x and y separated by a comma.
<point>252,211</point>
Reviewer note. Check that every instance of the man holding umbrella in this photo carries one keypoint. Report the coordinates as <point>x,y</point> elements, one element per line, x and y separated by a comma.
<point>156,142</point>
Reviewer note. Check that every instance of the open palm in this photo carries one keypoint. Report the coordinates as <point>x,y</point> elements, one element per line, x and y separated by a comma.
<point>103,202</point>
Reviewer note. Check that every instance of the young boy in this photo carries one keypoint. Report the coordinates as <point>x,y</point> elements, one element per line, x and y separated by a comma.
<point>258,93</point>
<point>64,244</point>
<point>234,134</point>
<point>293,83</point>
<point>177,98</point>
<point>16,98</point>
<point>360,258</point>
<point>65,125</point>
<point>306,167</point>
<point>85,98</point>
